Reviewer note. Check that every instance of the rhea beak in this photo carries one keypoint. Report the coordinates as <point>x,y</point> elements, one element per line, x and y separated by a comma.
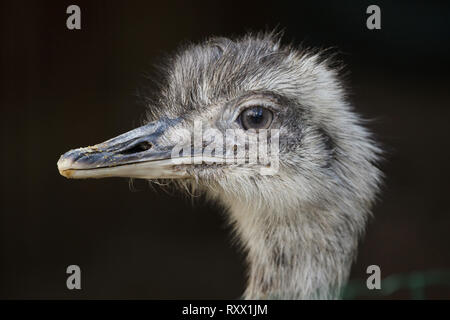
<point>138,153</point>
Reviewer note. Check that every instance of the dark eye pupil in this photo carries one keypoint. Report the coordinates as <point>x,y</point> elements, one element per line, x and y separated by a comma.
<point>256,115</point>
<point>256,118</point>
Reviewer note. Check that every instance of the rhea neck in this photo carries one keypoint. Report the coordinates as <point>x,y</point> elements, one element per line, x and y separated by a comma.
<point>294,253</point>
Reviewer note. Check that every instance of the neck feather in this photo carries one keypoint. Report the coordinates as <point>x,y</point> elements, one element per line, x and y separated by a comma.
<point>301,253</point>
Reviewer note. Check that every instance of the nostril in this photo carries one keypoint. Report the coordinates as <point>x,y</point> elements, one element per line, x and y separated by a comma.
<point>140,147</point>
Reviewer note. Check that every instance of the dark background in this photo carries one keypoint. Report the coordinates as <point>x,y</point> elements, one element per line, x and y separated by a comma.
<point>63,89</point>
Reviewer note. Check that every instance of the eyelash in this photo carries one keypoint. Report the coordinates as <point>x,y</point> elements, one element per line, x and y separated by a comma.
<point>245,106</point>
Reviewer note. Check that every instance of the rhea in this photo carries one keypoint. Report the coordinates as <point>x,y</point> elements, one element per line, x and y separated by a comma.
<point>299,225</point>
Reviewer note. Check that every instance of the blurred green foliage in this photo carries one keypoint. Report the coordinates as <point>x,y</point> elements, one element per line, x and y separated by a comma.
<point>415,282</point>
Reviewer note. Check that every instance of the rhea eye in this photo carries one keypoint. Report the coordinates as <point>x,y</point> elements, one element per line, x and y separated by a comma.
<point>256,118</point>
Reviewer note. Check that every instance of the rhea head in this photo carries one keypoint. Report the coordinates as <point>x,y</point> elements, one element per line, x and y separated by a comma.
<point>300,223</point>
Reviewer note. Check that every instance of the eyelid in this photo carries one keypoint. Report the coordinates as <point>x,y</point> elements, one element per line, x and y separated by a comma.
<point>257,103</point>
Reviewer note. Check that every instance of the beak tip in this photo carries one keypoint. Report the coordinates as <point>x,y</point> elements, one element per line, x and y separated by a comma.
<point>64,166</point>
